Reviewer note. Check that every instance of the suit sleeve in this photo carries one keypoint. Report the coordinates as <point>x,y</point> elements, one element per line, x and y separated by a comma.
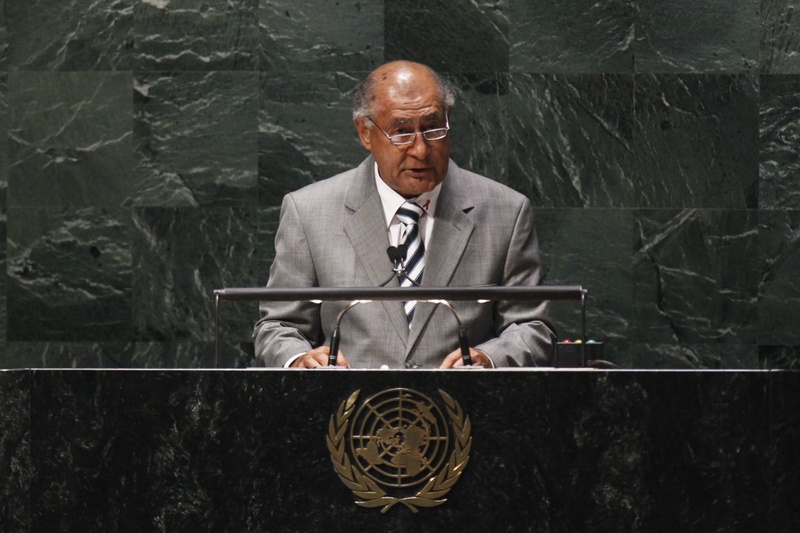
<point>288,328</point>
<point>524,332</point>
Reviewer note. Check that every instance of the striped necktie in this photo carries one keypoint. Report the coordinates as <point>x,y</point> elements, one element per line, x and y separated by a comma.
<point>409,214</point>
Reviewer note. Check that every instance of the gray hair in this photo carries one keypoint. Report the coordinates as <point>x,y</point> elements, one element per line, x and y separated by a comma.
<point>364,95</point>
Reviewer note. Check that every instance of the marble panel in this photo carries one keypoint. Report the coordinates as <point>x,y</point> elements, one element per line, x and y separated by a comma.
<point>784,442</point>
<point>779,277</point>
<point>113,355</point>
<point>70,34</point>
<point>3,197</point>
<point>479,123</point>
<point>64,355</point>
<point>708,453</point>
<point>268,221</point>
<point>318,35</point>
<point>696,141</point>
<point>779,357</point>
<point>3,281</point>
<point>592,248</point>
<point>691,355</point>
<point>172,454</point>
<point>555,451</point>
<point>780,37</point>
<point>573,36</point>
<point>196,139</point>
<point>685,36</point>
<point>15,456</point>
<point>306,131</point>
<point>458,36</point>
<point>70,139</point>
<point>3,140</point>
<point>196,35</point>
<point>779,162</point>
<point>696,277</point>
<point>571,139</point>
<point>69,274</point>
<point>180,256</point>
<point>3,37</point>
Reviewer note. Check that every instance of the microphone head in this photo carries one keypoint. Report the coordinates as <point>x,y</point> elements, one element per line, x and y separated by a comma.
<point>397,253</point>
<point>394,254</point>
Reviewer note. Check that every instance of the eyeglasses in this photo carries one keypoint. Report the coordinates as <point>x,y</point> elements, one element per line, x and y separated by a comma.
<point>403,139</point>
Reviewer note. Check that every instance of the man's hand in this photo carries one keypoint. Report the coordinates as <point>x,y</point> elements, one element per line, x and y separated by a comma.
<point>318,357</point>
<point>478,359</point>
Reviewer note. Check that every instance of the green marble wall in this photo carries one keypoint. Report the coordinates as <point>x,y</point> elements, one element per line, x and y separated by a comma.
<point>145,147</point>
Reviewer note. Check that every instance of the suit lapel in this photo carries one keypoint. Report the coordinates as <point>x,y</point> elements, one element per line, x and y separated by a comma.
<point>451,232</point>
<point>366,229</point>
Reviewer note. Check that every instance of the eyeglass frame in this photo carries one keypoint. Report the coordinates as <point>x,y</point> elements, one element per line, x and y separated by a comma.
<point>392,138</point>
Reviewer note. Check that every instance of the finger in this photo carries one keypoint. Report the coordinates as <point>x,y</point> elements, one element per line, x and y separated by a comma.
<point>341,360</point>
<point>309,360</point>
<point>451,359</point>
<point>480,359</point>
<point>321,357</point>
<point>314,358</point>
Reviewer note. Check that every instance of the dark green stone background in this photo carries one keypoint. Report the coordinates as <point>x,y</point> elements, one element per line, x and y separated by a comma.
<point>145,147</point>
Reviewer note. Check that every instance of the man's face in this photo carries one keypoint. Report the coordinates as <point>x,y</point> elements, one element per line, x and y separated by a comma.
<point>408,102</point>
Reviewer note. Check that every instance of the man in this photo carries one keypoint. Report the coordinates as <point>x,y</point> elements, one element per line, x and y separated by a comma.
<point>460,229</point>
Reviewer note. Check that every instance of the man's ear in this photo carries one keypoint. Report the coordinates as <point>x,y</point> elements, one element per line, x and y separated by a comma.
<point>363,133</point>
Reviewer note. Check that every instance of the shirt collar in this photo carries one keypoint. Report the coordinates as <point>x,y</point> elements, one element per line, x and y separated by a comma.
<point>392,201</point>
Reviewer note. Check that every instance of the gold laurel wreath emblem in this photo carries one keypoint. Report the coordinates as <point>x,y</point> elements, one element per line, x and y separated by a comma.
<point>371,495</point>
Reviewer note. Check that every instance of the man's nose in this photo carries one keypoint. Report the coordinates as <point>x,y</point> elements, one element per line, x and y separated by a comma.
<point>419,148</point>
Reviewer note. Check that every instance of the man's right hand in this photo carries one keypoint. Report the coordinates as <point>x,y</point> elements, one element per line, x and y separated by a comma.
<point>318,357</point>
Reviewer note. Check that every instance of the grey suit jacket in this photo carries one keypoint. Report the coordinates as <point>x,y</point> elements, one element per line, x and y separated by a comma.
<point>333,234</point>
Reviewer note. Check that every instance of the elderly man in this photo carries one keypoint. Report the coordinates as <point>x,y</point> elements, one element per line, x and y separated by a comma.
<point>458,228</point>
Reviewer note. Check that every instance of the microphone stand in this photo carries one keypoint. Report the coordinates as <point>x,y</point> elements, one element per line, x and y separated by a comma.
<point>462,332</point>
<point>334,353</point>
<point>398,256</point>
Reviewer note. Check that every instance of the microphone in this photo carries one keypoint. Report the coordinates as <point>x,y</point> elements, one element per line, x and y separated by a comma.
<point>397,255</point>
<point>463,342</point>
<point>333,355</point>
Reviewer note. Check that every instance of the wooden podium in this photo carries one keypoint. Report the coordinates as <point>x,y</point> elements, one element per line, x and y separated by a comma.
<point>250,450</point>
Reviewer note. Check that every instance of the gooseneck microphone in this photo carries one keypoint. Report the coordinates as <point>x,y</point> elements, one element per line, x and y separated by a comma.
<point>334,353</point>
<point>397,254</point>
<point>463,343</point>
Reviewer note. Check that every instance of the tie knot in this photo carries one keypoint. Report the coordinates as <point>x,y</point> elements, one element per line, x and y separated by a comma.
<point>409,213</point>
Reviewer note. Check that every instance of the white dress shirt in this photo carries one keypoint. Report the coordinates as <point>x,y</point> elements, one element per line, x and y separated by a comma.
<point>392,201</point>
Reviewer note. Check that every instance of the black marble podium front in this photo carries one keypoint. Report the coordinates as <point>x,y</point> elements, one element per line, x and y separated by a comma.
<point>552,451</point>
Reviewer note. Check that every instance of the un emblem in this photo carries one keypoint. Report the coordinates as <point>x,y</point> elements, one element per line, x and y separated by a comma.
<point>399,446</point>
